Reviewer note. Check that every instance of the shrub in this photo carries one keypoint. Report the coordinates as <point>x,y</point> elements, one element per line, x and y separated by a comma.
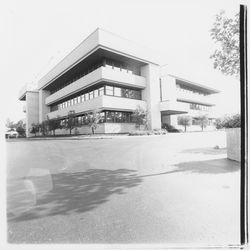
<point>138,132</point>
<point>169,128</point>
<point>233,121</point>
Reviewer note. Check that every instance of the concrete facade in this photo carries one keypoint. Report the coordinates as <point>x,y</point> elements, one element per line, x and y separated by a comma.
<point>114,76</point>
<point>234,144</point>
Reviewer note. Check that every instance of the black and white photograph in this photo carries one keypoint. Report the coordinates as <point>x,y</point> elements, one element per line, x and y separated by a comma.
<point>124,124</point>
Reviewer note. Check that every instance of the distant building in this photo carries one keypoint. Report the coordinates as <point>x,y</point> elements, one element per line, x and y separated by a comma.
<point>115,76</point>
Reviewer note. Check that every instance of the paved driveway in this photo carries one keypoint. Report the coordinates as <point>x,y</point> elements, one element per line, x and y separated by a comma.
<point>159,189</point>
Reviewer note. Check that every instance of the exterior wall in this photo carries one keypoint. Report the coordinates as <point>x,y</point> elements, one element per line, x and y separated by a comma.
<point>234,144</point>
<point>168,89</point>
<point>111,128</point>
<point>32,110</point>
<point>108,128</point>
<point>81,130</point>
<point>152,94</point>
<point>43,108</point>
<point>98,75</point>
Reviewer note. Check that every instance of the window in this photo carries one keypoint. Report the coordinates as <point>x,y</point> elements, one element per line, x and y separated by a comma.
<point>83,98</point>
<point>109,90</point>
<point>71,102</point>
<point>109,116</point>
<point>96,93</point>
<point>86,96</point>
<point>101,91</point>
<point>91,95</point>
<point>118,116</point>
<point>102,119</point>
<point>79,99</point>
<point>125,93</point>
<point>117,91</point>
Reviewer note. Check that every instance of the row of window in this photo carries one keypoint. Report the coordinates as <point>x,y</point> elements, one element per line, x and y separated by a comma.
<point>189,91</point>
<point>104,90</point>
<point>105,63</point>
<point>106,116</point>
<point>199,107</point>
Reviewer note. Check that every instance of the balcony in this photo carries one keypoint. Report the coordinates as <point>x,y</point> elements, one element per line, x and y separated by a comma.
<point>101,103</point>
<point>172,107</point>
<point>98,75</point>
<point>194,98</point>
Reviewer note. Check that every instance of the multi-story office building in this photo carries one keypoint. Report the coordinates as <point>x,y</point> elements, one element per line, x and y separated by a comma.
<point>114,76</point>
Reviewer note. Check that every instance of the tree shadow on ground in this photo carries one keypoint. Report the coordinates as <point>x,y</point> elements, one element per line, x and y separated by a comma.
<point>218,166</point>
<point>82,191</point>
<point>78,192</point>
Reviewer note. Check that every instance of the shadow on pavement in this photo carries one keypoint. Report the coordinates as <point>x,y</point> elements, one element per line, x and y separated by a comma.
<point>218,166</point>
<point>78,192</point>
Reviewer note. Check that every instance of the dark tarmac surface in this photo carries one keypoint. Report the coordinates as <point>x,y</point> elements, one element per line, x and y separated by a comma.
<point>166,189</point>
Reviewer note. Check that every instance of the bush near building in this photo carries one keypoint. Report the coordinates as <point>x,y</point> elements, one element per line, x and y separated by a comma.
<point>233,121</point>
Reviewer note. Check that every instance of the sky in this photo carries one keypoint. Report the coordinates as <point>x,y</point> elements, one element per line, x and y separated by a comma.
<point>39,33</point>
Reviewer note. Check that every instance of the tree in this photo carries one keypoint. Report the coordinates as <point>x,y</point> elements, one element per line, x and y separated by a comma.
<point>70,121</point>
<point>140,117</point>
<point>35,128</point>
<point>185,121</point>
<point>225,31</point>
<point>93,119</point>
<point>10,124</point>
<point>53,124</point>
<point>43,127</point>
<point>203,121</point>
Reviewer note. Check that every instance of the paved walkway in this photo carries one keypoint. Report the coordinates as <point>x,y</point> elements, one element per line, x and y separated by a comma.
<point>165,189</point>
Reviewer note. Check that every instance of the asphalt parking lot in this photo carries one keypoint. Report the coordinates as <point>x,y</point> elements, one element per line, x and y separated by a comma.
<point>173,189</point>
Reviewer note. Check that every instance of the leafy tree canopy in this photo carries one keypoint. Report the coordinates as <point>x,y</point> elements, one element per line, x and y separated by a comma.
<point>225,33</point>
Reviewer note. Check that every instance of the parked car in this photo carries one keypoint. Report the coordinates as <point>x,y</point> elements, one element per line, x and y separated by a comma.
<point>11,134</point>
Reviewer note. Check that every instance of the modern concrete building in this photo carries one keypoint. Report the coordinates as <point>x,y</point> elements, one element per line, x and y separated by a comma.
<point>115,76</point>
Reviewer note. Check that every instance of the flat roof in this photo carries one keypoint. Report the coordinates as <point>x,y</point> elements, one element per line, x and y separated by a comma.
<point>99,39</point>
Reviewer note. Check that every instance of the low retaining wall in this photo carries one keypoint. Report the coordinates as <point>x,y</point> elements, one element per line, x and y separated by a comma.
<point>233,144</point>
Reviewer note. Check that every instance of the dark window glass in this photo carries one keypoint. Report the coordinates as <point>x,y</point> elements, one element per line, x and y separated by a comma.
<point>118,116</point>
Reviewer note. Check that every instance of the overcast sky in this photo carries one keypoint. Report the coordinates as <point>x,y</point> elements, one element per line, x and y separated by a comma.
<point>40,33</point>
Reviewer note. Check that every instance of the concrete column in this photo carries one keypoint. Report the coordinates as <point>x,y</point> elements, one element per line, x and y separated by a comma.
<point>168,88</point>
<point>151,94</point>
<point>32,110</point>
<point>43,108</point>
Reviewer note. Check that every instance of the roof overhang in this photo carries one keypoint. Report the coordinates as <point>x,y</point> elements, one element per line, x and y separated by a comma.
<point>197,86</point>
<point>99,39</point>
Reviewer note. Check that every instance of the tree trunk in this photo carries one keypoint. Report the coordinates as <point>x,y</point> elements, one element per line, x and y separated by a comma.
<point>53,132</point>
<point>93,131</point>
<point>70,131</point>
